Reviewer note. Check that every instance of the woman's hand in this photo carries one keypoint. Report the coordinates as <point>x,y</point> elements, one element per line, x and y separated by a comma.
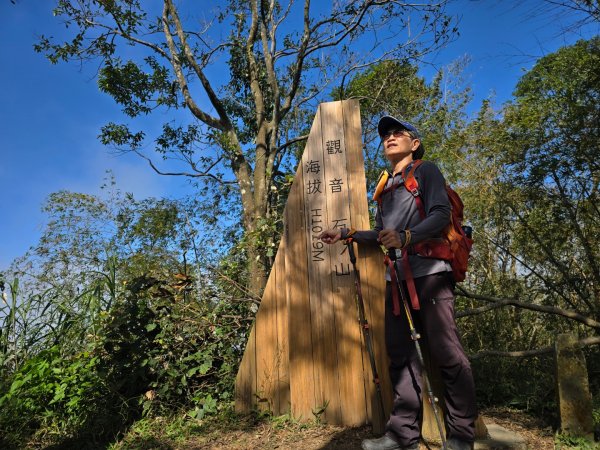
<point>331,236</point>
<point>390,238</point>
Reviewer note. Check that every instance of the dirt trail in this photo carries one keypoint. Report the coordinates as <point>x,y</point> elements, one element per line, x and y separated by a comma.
<point>537,435</point>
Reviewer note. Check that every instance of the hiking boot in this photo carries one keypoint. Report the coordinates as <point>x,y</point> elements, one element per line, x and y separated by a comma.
<point>385,443</point>
<point>458,444</point>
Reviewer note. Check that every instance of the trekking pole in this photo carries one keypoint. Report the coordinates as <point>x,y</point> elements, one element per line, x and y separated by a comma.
<point>415,336</point>
<point>364,324</point>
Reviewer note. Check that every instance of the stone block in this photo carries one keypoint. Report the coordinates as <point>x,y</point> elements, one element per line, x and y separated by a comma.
<point>574,398</point>
<point>499,438</point>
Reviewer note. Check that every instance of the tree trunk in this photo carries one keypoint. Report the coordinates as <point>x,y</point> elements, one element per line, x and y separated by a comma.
<point>257,271</point>
<point>257,213</point>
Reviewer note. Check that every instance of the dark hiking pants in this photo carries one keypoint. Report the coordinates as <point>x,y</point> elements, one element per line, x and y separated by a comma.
<point>435,322</point>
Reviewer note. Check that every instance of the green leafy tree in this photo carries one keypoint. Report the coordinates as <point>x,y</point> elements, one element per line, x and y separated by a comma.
<point>436,108</point>
<point>555,124</point>
<point>90,247</point>
<point>240,75</point>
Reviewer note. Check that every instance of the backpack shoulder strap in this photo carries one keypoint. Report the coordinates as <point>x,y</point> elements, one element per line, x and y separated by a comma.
<point>412,185</point>
<point>383,179</point>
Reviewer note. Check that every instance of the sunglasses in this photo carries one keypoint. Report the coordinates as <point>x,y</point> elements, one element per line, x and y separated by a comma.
<point>395,133</point>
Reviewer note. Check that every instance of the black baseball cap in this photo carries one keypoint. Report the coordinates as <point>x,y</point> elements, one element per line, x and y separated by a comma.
<point>388,122</point>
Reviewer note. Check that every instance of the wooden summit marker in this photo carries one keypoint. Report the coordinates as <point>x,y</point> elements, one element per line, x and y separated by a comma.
<point>305,353</point>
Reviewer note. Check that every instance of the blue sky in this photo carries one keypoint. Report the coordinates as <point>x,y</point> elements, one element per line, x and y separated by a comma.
<point>50,116</point>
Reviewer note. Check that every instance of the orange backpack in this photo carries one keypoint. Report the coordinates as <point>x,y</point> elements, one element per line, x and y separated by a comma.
<point>456,243</point>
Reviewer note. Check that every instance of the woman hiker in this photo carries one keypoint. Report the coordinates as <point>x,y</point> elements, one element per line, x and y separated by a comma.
<point>398,225</point>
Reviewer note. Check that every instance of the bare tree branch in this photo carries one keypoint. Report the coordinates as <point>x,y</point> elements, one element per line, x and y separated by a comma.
<point>564,271</point>
<point>193,107</point>
<point>197,174</point>
<point>576,227</point>
<point>499,302</point>
<point>583,6</point>
<point>121,32</point>
<point>592,340</point>
<point>292,141</point>
<point>251,297</point>
<point>298,65</point>
<point>535,272</point>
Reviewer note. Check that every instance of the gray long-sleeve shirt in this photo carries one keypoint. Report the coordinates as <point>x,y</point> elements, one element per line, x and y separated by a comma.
<point>398,210</point>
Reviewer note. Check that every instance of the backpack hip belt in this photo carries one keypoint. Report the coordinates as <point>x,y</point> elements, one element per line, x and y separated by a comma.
<point>431,248</point>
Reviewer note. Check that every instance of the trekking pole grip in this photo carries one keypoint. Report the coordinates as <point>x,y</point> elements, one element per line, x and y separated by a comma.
<point>392,253</point>
<point>350,244</point>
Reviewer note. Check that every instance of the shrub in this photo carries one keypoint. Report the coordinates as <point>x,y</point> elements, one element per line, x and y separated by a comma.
<point>157,351</point>
<point>56,394</point>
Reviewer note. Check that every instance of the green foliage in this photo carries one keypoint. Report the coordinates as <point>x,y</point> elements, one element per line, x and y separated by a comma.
<point>133,88</point>
<point>50,395</point>
<point>157,350</point>
<point>555,124</point>
<point>104,323</point>
<point>566,442</point>
<point>170,348</point>
<point>90,246</point>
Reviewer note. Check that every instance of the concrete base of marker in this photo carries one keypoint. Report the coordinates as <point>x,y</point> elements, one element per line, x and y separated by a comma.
<point>496,438</point>
<point>499,438</point>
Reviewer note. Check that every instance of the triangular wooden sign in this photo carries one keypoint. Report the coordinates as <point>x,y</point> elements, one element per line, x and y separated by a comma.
<point>305,353</point>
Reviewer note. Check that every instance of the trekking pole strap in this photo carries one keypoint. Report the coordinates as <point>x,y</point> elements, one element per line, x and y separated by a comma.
<point>395,300</point>
<point>390,261</point>
<point>349,244</point>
